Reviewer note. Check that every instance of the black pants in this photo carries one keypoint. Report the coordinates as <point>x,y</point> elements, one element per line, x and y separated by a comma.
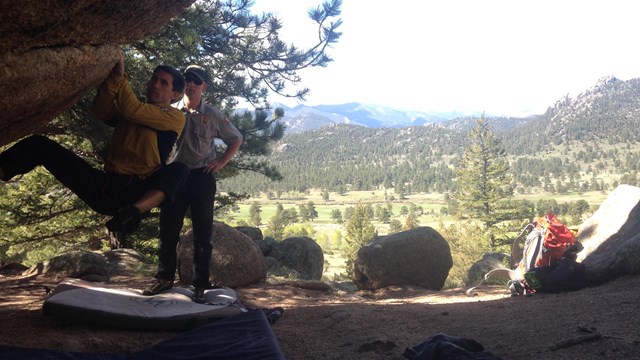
<point>198,193</point>
<point>103,192</point>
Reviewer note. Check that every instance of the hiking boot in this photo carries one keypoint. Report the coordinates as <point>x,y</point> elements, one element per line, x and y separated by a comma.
<point>273,314</point>
<point>198,295</point>
<point>157,286</point>
<point>126,221</point>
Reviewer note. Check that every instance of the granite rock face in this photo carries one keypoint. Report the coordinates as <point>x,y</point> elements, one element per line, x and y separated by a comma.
<point>54,52</point>
<point>611,237</point>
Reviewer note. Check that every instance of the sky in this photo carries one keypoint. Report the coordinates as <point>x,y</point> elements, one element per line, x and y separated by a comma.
<point>501,57</point>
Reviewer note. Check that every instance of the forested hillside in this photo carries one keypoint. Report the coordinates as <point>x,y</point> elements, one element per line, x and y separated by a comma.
<point>586,143</point>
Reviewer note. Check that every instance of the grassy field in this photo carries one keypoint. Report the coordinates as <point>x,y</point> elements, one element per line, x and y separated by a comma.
<point>330,235</point>
<point>431,205</point>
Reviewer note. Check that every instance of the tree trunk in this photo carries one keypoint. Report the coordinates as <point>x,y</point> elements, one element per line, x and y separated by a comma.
<point>118,240</point>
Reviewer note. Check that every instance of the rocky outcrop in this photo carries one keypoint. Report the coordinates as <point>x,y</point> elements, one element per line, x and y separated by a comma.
<point>236,260</point>
<point>611,237</point>
<point>302,255</point>
<point>52,53</point>
<point>84,265</point>
<point>419,257</point>
<point>488,262</point>
<point>253,232</point>
<point>127,261</point>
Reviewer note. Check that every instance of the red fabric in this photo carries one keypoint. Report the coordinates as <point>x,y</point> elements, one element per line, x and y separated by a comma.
<point>557,237</point>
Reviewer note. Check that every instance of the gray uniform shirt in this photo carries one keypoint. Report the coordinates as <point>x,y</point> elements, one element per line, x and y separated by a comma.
<point>196,145</point>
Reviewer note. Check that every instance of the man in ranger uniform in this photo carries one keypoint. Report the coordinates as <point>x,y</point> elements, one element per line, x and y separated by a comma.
<point>197,149</point>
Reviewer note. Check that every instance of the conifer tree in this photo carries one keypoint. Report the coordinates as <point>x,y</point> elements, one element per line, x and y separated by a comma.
<point>360,231</point>
<point>254,214</point>
<point>336,215</point>
<point>312,212</point>
<point>325,195</point>
<point>410,222</point>
<point>395,226</point>
<point>483,178</point>
<point>247,60</point>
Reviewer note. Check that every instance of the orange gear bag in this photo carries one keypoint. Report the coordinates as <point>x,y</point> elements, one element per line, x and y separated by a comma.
<point>557,237</point>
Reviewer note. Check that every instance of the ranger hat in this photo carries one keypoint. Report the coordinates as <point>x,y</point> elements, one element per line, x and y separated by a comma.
<point>199,72</point>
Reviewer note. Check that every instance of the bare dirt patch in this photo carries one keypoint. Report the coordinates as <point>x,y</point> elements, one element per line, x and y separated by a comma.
<point>322,324</point>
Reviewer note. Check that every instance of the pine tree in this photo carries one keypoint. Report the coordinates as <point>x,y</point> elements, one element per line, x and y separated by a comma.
<point>325,195</point>
<point>483,178</point>
<point>303,211</point>
<point>395,226</point>
<point>336,215</point>
<point>247,60</point>
<point>410,222</point>
<point>312,212</point>
<point>254,214</point>
<point>360,231</point>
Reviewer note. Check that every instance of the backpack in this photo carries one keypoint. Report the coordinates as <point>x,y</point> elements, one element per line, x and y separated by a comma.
<point>545,263</point>
<point>548,258</point>
<point>546,243</point>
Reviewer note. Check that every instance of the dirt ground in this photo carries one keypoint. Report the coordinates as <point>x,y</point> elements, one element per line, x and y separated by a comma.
<point>595,323</point>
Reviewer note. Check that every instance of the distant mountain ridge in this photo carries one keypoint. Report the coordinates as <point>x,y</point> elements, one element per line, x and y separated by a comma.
<point>304,118</point>
<point>619,96</point>
<point>346,152</point>
<point>609,110</point>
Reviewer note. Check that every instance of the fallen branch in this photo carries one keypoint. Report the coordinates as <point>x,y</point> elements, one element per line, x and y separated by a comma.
<point>565,343</point>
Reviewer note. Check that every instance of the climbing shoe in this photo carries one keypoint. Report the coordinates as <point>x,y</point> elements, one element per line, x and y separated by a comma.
<point>127,220</point>
<point>198,295</point>
<point>157,286</point>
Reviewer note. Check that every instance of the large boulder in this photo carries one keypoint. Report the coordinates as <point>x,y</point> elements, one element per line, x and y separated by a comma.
<point>52,53</point>
<point>127,261</point>
<point>268,246</point>
<point>253,232</point>
<point>301,254</point>
<point>84,265</point>
<point>236,260</point>
<point>419,257</point>
<point>489,261</point>
<point>611,236</point>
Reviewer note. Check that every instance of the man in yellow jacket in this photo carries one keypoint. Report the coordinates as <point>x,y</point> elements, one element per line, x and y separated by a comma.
<point>136,177</point>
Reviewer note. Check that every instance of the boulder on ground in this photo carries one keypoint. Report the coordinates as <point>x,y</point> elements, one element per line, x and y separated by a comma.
<point>301,254</point>
<point>84,265</point>
<point>127,261</point>
<point>419,257</point>
<point>611,237</point>
<point>236,260</point>
<point>253,232</point>
<point>489,261</point>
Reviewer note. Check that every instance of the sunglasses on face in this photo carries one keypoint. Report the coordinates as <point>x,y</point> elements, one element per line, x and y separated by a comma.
<point>192,78</point>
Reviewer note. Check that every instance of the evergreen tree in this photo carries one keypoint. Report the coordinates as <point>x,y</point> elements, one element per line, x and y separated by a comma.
<point>410,222</point>
<point>483,178</point>
<point>303,211</point>
<point>311,211</point>
<point>254,214</point>
<point>325,195</point>
<point>395,226</point>
<point>247,60</point>
<point>360,232</point>
<point>277,223</point>
<point>336,216</point>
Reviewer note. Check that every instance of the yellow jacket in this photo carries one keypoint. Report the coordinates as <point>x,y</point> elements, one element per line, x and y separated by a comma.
<point>144,133</point>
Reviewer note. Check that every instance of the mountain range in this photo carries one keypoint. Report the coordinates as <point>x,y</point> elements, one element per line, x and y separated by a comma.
<point>304,118</point>
<point>353,144</point>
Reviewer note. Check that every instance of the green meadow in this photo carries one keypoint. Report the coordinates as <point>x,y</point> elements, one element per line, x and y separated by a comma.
<point>329,234</point>
<point>432,206</point>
